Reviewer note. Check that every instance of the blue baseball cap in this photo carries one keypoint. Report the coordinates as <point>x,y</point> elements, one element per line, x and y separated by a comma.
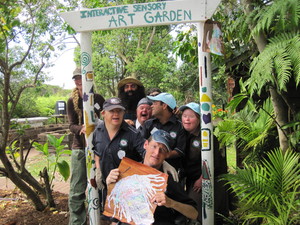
<point>165,98</point>
<point>163,137</point>
<point>193,106</point>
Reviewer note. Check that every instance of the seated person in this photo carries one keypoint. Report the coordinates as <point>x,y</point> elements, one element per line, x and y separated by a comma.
<point>174,200</point>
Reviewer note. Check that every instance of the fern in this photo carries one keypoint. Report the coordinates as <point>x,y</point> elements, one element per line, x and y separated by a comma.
<point>276,65</point>
<point>281,15</point>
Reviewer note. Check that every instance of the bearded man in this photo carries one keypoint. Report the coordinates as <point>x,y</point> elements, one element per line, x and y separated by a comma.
<point>130,91</point>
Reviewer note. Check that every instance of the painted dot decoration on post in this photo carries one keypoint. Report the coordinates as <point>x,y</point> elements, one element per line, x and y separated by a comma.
<point>205,106</point>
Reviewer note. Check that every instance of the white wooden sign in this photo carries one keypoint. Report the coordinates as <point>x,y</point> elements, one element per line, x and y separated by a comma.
<point>139,15</point>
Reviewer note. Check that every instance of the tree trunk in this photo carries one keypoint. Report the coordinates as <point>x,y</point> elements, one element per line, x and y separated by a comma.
<point>281,117</point>
<point>12,175</point>
<point>9,169</point>
<point>49,196</point>
<point>280,108</point>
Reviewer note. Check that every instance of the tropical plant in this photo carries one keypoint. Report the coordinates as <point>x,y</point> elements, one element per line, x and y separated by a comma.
<point>275,24</point>
<point>251,130</point>
<point>55,159</point>
<point>294,134</point>
<point>269,192</point>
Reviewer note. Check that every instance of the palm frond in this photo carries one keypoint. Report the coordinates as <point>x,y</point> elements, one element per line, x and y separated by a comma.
<point>269,191</point>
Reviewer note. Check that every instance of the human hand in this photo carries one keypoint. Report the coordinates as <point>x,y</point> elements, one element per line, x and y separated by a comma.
<point>198,185</point>
<point>130,122</point>
<point>161,199</point>
<point>113,176</point>
<point>83,129</point>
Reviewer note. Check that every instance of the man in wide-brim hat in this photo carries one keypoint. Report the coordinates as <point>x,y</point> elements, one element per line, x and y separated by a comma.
<point>130,91</point>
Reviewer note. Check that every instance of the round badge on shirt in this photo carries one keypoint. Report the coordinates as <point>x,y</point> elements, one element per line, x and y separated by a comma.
<point>173,134</point>
<point>123,142</point>
<point>196,143</point>
<point>121,154</point>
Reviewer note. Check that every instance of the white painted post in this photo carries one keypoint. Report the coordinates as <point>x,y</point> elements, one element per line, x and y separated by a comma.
<point>206,130</point>
<point>89,122</point>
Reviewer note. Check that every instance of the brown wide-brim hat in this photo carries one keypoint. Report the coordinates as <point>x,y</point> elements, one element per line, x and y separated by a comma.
<point>129,80</point>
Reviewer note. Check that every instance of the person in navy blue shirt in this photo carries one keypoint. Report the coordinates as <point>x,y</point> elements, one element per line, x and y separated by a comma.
<point>114,139</point>
<point>172,202</point>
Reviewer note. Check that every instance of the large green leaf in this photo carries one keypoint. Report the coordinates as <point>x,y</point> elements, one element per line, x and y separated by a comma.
<point>64,169</point>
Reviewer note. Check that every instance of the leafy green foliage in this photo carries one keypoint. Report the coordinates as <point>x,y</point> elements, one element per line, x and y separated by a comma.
<point>55,159</point>
<point>254,131</point>
<point>269,191</point>
<point>41,100</point>
<point>294,134</point>
<point>276,17</point>
<point>141,52</point>
<point>277,64</point>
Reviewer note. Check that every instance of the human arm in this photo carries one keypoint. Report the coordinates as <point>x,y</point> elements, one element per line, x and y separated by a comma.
<point>179,146</point>
<point>161,199</point>
<point>73,118</point>
<point>98,177</point>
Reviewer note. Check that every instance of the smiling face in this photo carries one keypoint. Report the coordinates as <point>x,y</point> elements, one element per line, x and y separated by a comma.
<point>78,82</point>
<point>190,121</point>
<point>156,153</point>
<point>130,88</point>
<point>157,108</point>
<point>143,113</point>
<point>113,117</point>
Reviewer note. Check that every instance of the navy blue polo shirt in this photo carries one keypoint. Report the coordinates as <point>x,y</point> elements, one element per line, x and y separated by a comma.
<point>175,191</point>
<point>175,129</point>
<point>127,142</point>
<point>193,161</point>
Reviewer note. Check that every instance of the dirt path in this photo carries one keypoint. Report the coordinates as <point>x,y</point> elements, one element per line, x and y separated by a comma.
<point>59,186</point>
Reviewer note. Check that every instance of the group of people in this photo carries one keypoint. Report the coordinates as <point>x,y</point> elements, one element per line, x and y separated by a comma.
<point>147,129</point>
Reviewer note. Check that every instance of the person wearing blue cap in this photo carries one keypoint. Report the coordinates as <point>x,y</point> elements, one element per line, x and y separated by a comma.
<point>163,118</point>
<point>174,201</point>
<point>192,166</point>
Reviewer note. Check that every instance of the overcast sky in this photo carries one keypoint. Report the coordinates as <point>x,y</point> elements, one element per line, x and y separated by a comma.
<point>61,72</point>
